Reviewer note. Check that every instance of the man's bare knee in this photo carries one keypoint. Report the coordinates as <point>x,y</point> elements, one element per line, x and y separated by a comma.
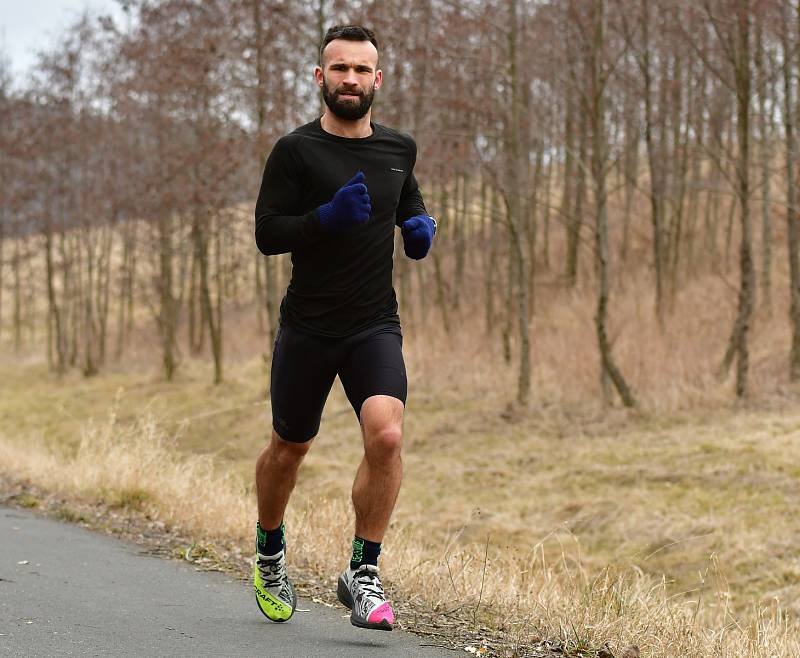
<point>383,443</point>
<point>287,454</point>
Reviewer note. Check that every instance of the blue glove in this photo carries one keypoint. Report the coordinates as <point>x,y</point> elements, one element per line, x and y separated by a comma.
<point>417,236</point>
<point>350,206</point>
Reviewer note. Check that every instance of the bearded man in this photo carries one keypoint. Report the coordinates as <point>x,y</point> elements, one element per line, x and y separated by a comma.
<point>332,193</point>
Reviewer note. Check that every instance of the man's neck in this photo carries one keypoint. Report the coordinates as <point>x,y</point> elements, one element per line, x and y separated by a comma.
<point>354,129</point>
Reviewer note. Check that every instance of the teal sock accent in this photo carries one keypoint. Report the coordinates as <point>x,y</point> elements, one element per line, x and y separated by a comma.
<point>364,552</point>
<point>270,542</point>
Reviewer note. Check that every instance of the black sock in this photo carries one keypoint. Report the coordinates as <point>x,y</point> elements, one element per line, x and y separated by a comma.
<point>364,552</point>
<point>270,542</point>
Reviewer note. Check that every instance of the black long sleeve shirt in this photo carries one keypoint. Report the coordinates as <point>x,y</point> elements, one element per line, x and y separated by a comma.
<point>341,283</point>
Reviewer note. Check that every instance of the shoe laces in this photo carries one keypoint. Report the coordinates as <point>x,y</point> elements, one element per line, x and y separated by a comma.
<point>367,579</point>
<point>272,569</point>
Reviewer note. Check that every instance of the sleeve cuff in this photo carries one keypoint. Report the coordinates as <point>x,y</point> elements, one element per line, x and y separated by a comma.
<point>312,227</point>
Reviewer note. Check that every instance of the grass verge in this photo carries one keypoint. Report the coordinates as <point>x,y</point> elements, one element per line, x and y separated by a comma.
<point>497,599</point>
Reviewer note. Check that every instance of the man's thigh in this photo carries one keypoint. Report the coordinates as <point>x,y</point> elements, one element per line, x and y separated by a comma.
<point>374,366</point>
<point>301,378</point>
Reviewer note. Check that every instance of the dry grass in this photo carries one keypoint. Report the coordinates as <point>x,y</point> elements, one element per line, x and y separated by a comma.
<point>677,534</point>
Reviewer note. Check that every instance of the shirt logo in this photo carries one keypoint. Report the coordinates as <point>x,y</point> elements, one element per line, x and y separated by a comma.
<point>396,169</point>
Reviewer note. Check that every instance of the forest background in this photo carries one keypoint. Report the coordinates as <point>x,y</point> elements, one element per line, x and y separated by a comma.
<point>603,345</point>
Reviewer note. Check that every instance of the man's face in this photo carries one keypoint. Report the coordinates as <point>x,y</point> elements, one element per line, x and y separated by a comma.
<point>349,77</point>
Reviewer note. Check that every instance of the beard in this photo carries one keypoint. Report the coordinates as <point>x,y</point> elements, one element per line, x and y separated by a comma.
<point>348,110</point>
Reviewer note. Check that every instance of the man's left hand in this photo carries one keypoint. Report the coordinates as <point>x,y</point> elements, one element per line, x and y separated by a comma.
<point>417,236</point>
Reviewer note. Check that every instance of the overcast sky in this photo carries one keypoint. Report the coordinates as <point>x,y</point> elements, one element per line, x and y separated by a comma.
<point>30,25</point>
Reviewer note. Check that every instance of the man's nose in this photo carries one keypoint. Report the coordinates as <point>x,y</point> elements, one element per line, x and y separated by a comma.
<point>350,78</point>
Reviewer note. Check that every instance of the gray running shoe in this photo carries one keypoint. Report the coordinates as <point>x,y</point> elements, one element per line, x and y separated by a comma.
<point>361,591</point>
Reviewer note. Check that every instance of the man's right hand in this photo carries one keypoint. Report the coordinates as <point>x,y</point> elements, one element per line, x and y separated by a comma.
<point>349,207</point>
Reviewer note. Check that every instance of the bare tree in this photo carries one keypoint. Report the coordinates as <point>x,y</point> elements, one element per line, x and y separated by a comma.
<point>788,36</point>
<point>734,40</point>
<point>764,121</point>
<point>594,103</point>
<point>5,177</point>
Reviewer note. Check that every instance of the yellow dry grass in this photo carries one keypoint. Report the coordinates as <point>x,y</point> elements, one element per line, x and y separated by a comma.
<point>530,583</point>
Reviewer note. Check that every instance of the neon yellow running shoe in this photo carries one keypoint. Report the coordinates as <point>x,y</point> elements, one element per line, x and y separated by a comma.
<point>275,595</point>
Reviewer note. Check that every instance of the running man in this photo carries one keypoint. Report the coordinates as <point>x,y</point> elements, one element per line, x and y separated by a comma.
<point>332,193</point>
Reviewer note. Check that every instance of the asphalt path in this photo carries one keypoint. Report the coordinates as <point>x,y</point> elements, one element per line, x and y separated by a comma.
<point>65,591</point>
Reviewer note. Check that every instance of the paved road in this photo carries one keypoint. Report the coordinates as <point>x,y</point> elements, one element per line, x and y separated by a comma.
<point>65,591</point>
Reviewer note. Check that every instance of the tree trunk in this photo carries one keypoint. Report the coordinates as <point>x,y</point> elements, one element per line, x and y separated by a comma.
<point>215,331</point>
<point>90,365</point>
<point>458,243</point>
<point>462,253</point>
<point>598,169</point>
<point>508,316</point>
<point>568,190</point>
<point>71,296</point>
<point>692,211</point>
<point>656,163</point>
<point>258,289</point>
<point>31,278</point>
<point>630,170</point>
<point>493,239</point>
<point>104,287</point>
<point>54,313</point>
<point>548,183</point>
<point>441,295</point>
<point>131,278</point>
<point>530,208</point>
<point>270,264</point>
<point>793,212</point>
<point>16,263</point>
<point>680,160</point>
<point>166,315</point>
<point>734,202</point>
<point>575,220</point>
<point>124,273</point>
<point>193,324</point>
<point>738,346</point>
<point>515,168</point>
<point>765,134</point>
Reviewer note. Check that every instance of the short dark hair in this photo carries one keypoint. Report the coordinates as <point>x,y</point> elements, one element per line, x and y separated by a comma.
<point>349,32</point>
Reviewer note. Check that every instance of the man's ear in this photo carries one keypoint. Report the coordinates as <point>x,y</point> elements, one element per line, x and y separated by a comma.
<point>318,76</point>
<point>378,79</point>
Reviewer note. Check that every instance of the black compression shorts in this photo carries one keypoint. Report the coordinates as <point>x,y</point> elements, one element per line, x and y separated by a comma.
<point>304,367</point>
